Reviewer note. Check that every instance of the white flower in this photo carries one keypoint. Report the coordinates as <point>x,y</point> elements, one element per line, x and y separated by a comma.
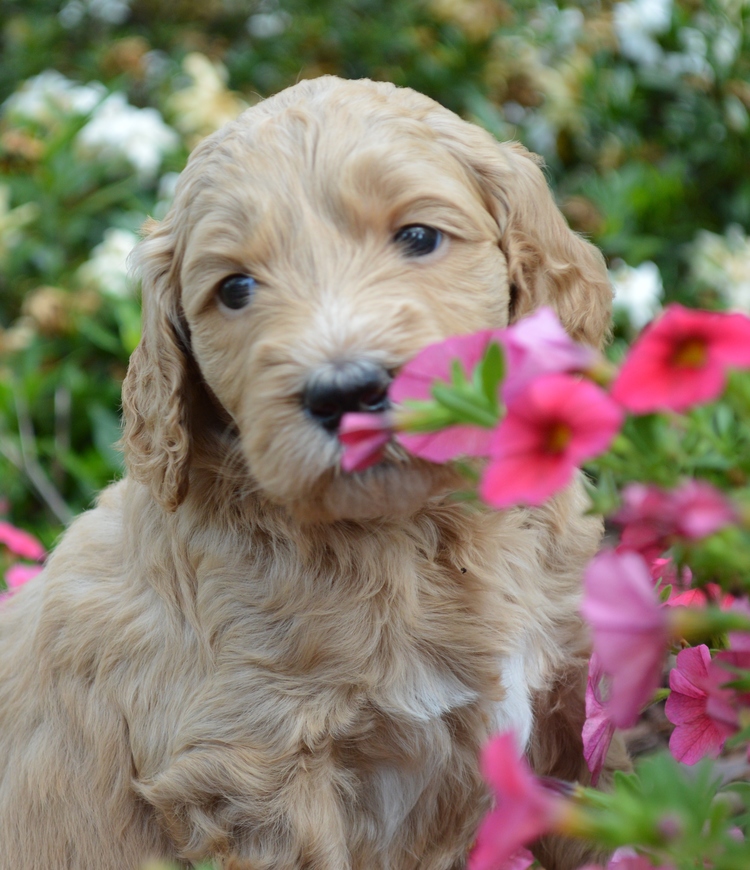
<point>106,270</point>
<point>723,262</point>
<point>109,11</point>
<point>266,25</point>
<point>45,98</point>
<point>638,291</point>
<point>636,23</point>
<point>118,131</point>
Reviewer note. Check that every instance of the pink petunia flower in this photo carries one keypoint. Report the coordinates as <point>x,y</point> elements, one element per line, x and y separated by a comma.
<point>555,424</point>
<point>520,860</point>
<point>598,729</point>
<point>535,345</point>
<point>692,682</point>
<point>723,703</point>
<point>448,443</point>
<point>19,574</point>
<point>629,628</point>
<point>711,593</point>
<point>700,510</point>
<point>414,383</point>
<point>681,360</point>
<point>627,859</point>
<point>539,345</point>
<point>664,571</point>
<point>523,811</point>
<point>434,363</point>
<point>653,518</point>
<point>21,543</point>
<point>363,437</point>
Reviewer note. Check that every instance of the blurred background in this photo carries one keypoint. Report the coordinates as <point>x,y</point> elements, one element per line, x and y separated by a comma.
<point>641,109</point>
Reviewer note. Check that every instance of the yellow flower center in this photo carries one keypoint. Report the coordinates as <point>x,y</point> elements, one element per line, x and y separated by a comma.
<point>691,353</point>
<point>558,437</point>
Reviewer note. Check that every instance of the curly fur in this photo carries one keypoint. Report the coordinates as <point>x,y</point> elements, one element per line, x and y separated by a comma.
<point>242,653</point>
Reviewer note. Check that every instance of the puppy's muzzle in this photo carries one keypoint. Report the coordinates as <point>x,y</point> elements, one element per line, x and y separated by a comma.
<point>353,385</point>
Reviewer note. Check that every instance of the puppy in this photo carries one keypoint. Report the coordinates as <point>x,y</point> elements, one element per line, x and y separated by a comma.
<point>244,654</point>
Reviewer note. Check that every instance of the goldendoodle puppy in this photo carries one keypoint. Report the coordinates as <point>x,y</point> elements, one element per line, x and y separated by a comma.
<point>243,653</point>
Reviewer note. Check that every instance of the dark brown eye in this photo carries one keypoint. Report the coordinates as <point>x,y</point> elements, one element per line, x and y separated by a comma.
<point>236,291</point>
<point>417,240</point>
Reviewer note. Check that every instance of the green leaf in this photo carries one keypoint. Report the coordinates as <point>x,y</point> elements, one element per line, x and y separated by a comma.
<point>465,406</point>
<point>491,372</point>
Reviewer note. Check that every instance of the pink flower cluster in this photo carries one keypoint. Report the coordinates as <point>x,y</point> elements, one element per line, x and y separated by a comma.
<point>703,708</point>
<point>551,420</point>
<point>652,518</point>
<point>554,420</point>
<point>20,543</point>
<point>523,809</point>
<point>682,360</point>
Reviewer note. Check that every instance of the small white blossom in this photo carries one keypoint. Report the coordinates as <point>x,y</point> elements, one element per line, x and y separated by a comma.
<point>45,98</point>
<point>118,131</point>
<point>267,25</point>
<point>726,46</point>
<point>636,23</point>
<point>111,11</point>
<point>638,291</point>
<point>106,270</point>
<point>723,262</point>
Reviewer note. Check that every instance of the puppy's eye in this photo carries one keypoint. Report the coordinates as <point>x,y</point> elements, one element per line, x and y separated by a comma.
<point>417,241</point>
<point>236,291</point>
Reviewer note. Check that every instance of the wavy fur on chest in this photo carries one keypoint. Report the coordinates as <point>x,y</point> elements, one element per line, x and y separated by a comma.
<point>286,698</point>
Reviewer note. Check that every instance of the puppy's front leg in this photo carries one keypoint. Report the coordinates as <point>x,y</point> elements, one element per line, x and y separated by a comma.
<point>252,809</point>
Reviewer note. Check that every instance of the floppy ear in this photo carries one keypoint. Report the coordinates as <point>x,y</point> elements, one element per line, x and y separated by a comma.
<point>548,263</point>
<point>155,398</point>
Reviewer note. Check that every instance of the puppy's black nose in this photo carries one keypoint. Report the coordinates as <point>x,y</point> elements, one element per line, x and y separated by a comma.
<point>346,386</point>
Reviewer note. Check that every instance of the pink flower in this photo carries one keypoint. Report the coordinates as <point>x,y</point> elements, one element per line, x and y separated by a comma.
<point>434,363</point>
<point>363,437</point>
<point>629,627</point>
<point>598,729</point>
<point>681,360</point>
<point>538,345</point>
<point>664,570</point>
<point>19,574</point>
<point>626,859</point>
<point>448,443</point>
<point>723,704</point>
<point>414,383</point>
<point>700,510</point>
<point>535,345</point>
<point>520,860</point>
<point>652,518</point>
<point>711,593</point>
<point>555,424</point>
<point>21,543</point>
<point>524,809</point>
<point>696,733</point>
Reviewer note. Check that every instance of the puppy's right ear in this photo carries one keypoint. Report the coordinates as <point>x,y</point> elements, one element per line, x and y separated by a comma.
<point>155,397</point>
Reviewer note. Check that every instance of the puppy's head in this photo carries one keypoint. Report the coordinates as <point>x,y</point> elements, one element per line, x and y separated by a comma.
<point>314,246</point>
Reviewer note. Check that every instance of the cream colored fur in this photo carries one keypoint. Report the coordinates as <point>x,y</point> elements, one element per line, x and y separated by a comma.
<point>243,653</point>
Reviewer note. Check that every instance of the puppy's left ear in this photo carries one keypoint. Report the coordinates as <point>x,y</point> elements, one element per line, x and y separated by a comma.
<point>156,391</point>
<point>548,263</point>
